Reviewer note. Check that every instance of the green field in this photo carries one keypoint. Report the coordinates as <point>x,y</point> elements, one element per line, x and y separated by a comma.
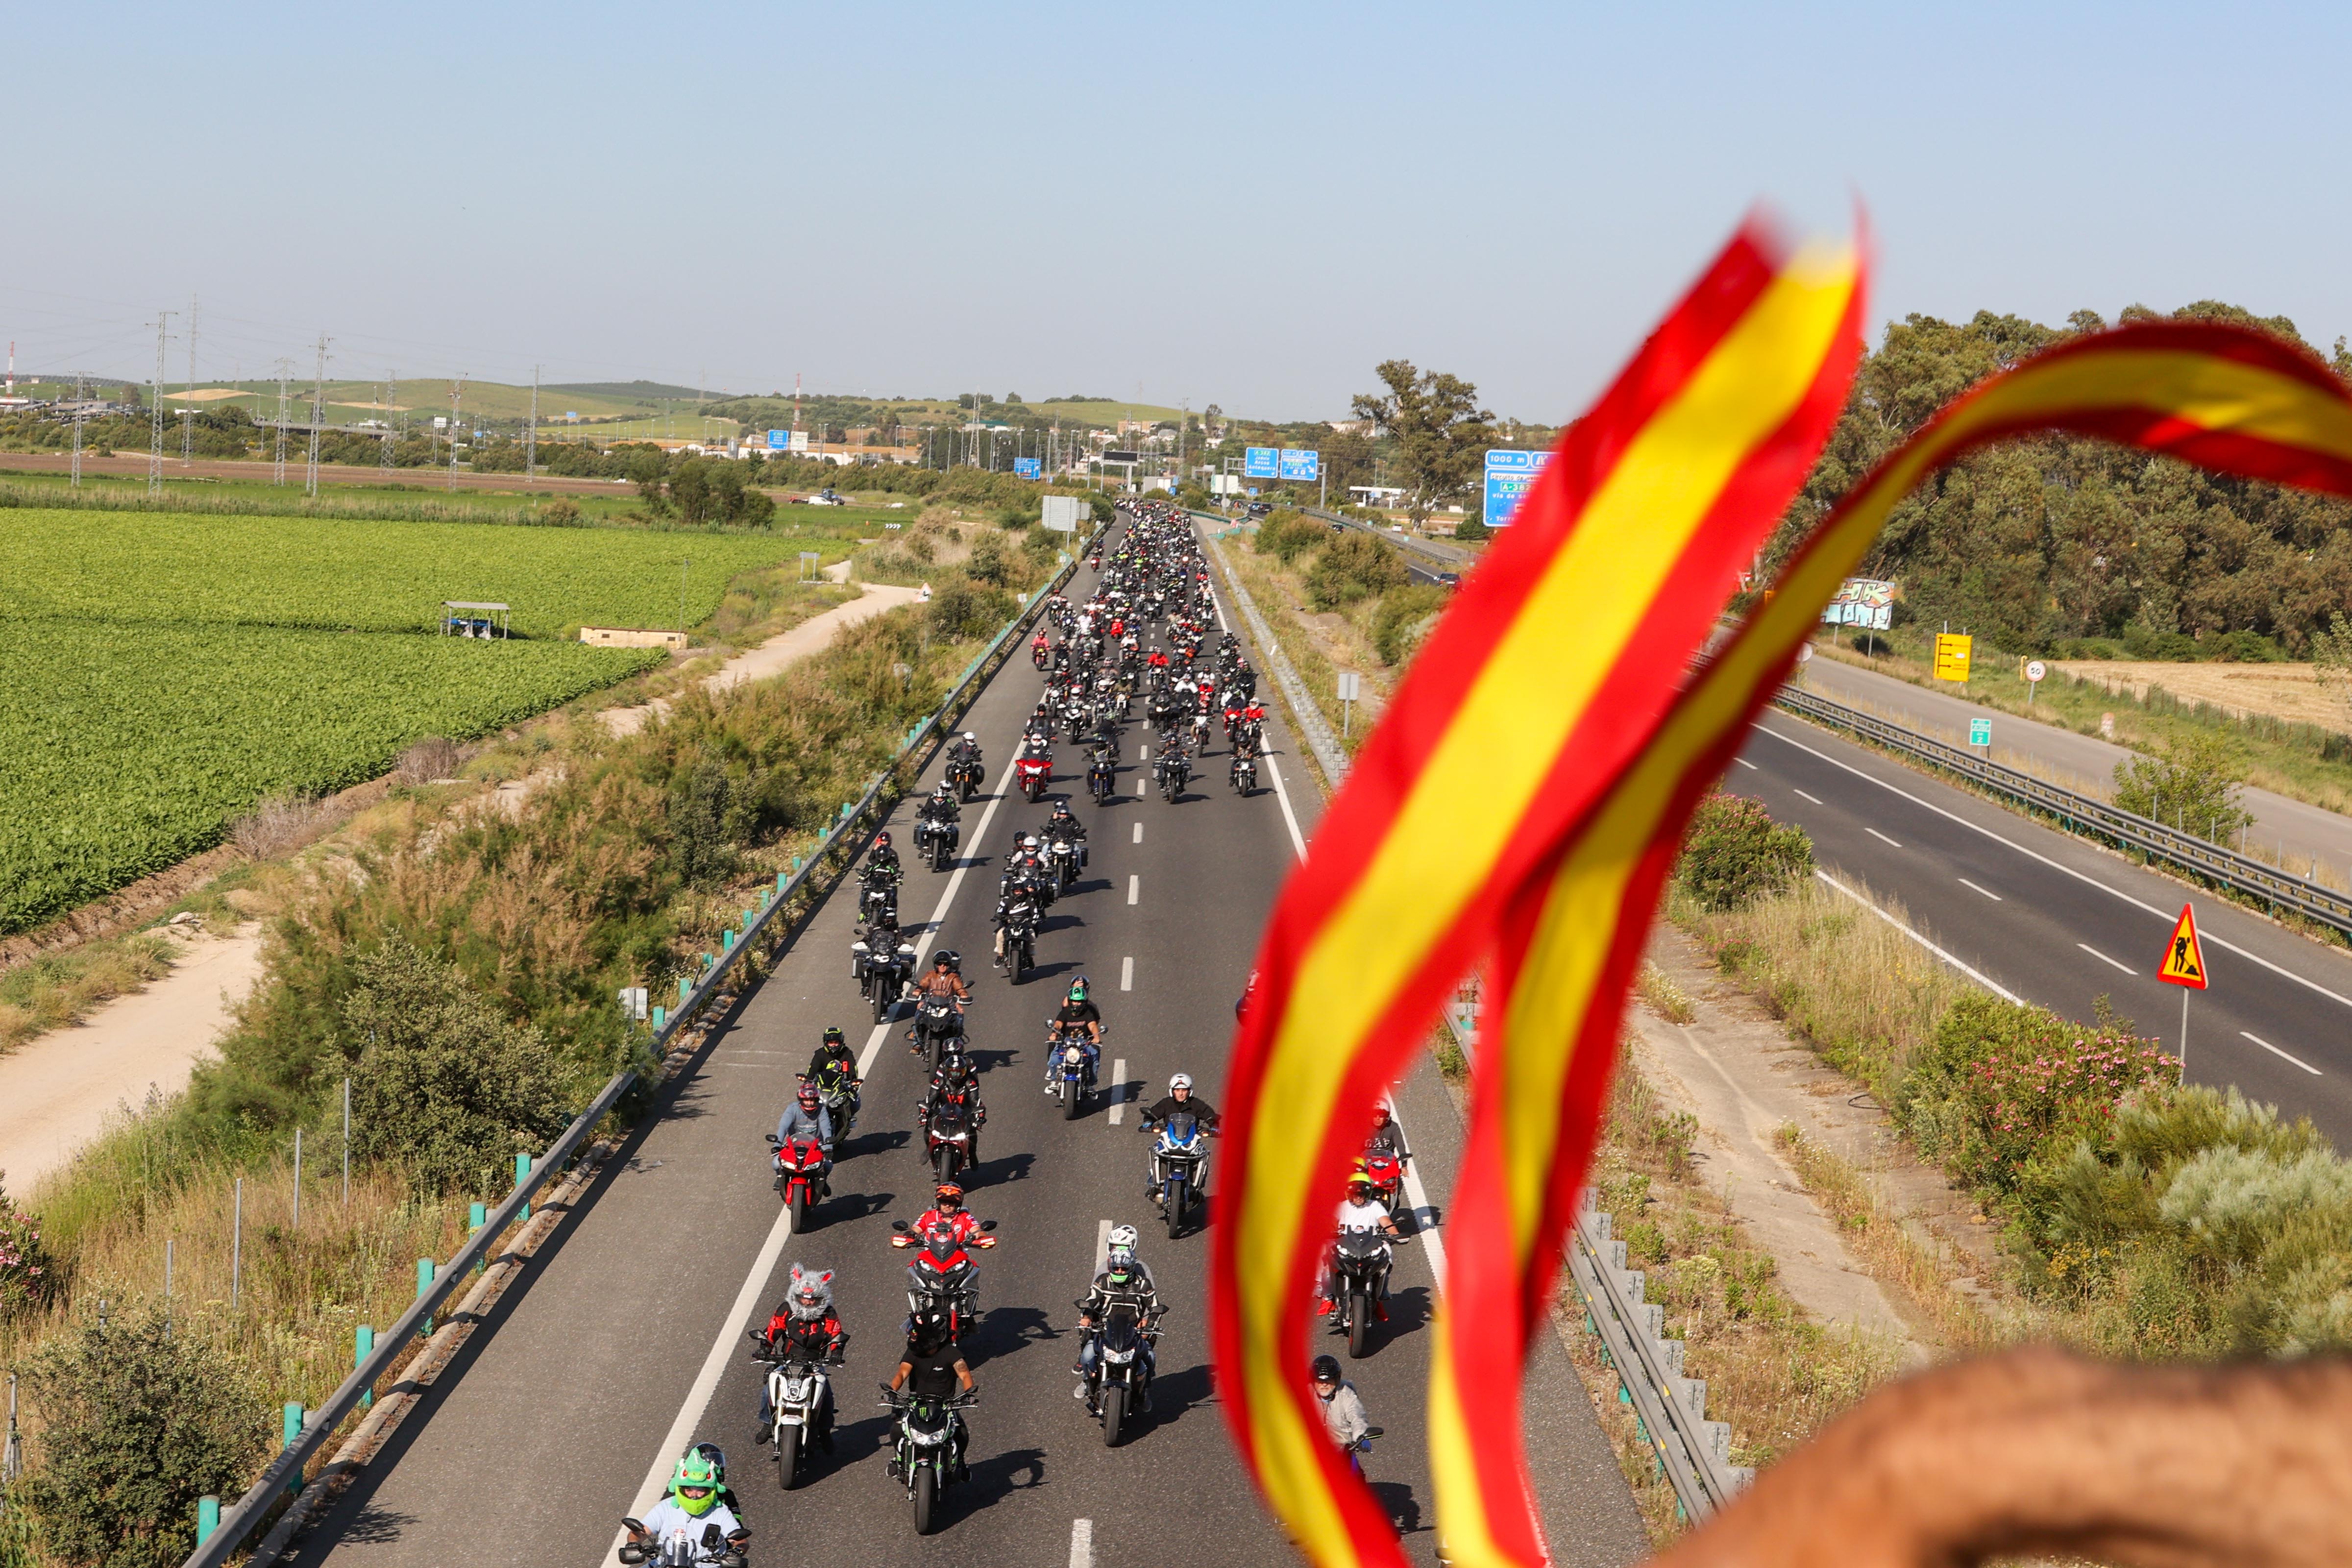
<point>124,749</point>
<point>184,568</point>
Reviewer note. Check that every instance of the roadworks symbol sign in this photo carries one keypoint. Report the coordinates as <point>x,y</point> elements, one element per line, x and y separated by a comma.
<point>2184,959</point>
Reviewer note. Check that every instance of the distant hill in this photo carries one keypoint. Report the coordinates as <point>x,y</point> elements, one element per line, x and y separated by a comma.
<point>627,390</point>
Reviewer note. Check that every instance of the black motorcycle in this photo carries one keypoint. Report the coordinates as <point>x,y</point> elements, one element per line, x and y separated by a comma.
<point>877,899</point>
<point>935,840</point>
<point>1361,1260</point>
<point>1062,863</point>
<point>1243,775</point>
<point>1121,1375</point>
<point>1173,770</point>
<point>949,1137</point>
<point>1016,942</point>
<point>964,777</point>
<point>883,963</point>
<point>937,1023</point>
<point>923,1456</point>
<point>1102,778</point>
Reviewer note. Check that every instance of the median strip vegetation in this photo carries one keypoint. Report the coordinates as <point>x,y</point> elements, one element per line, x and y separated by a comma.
<point>456,964</point>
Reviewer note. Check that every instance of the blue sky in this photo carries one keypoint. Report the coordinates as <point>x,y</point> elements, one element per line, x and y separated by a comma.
<point>1249,206</point>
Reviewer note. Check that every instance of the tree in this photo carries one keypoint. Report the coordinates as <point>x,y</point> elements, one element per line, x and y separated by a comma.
<point>1437,429</point>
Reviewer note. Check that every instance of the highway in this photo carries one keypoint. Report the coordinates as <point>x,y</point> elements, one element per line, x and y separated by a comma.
<point>2051,919</point>
<point>626,1341</point>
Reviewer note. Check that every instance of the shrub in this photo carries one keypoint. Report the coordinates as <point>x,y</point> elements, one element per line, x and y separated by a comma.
<point>1405,616</point>
<point>1735,853</point>
<point>2193,785</point>
<point>562,512</point>
<point>280,824</point>
<point>989,562</point>
<point>28,1275</point>
<point>140,1420</point>
<point>1473,530</point>
<point>1354,566</point>
<point>434,757</point>
<point>962,608</point>
<point>441,1083</point>
<point>1285,535</point>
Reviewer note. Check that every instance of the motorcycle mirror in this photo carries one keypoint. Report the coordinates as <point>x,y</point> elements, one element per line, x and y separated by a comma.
<point>712,1538</point>
<point>899,1226</point>
<point>633,1555</point>
<point>987,1225</point>
<point>772,1140</point>
<point>1375,1431</point>
<point>634,1526</point>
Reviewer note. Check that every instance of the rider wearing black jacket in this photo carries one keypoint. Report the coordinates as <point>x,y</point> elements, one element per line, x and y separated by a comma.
<point>1064,824</point>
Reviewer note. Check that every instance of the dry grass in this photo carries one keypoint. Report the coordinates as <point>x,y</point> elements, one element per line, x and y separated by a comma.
<point>280,824</point>
<point>434,757</point>
<point>1773,1373</point>
<point>1662,996</point>
<point>1862,993</point>
<point>60,988</point>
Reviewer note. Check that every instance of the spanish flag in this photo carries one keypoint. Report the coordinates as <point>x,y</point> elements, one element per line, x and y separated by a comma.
<point>1555,663</point>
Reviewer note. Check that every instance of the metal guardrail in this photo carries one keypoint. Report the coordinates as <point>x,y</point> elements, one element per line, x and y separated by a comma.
<point>1694,1452</point>
<point>2213,863</point>
<point>1305,717</point>
<point>1454,561</point>
<point>284,1473</point>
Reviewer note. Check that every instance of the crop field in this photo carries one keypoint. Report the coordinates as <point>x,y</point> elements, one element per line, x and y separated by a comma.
<point>184,568</point>
<point>125,748</point>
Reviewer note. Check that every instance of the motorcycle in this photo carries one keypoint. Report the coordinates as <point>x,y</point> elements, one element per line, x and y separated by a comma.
<point>1038,654</point>
<point>877,899</point>
<point>1121,1374</point>
<point>935,840</point>
<point>1061,861</point>
<point>1073,1054</point>
<point>924,1452</point>
<point>883,975</point>
<point>936,1023</point>
<point>947,1140</point>
<point>1173,769</point>
<point>1102,778</point>
<point>941,1278</point>
<point>1032,774</point>
<point>799,1391</point>
<point>1243,775</point>
<point>1386,1173</point>
<point>712,1549</point>
<point>840,1103</point>
<point>964,777</point>
<point>800,1176</point>
<point>1360,1261</point>
<point>1180,1167</point>
<point>1016,941</point>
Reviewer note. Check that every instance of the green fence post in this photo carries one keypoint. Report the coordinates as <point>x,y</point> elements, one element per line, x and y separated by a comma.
<point>207,1517</point>
<point>726,941</point>
<point>293,1431</point>
<point>685,987</point>
<point>661,1019</point>
<point>779,876</point>
<point>522,1174</point>
<point>477,1216</point>
<point>363,1347</point>
<point>424,1283</point>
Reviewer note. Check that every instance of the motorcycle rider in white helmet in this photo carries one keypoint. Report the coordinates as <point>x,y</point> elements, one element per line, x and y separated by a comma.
<point>1125,1280</point>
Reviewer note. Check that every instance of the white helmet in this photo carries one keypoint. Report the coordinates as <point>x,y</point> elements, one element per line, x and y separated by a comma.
<point>970,736</point>
<point>1182,1080</point>
<point>1122,1238</point>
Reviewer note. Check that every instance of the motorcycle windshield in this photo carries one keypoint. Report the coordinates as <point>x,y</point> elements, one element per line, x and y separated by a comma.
<point>1181,1131</point>
<point>1360,1246</point>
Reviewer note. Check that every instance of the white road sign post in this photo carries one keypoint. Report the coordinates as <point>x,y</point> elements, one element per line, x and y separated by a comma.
<point>2034,670</point>
<point>1348,689</point>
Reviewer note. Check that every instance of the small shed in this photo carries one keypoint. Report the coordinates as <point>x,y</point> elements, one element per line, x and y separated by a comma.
<point>459,620</point>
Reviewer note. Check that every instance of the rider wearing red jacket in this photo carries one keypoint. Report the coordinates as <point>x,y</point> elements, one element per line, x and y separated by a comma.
<point>946,1209</point>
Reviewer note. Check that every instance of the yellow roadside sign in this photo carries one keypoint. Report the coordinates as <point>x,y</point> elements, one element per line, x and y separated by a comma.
<point>1952,656</point>
<point>2184,959</point>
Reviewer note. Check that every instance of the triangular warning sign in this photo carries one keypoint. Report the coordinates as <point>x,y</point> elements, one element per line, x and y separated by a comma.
<point>2184,959</point>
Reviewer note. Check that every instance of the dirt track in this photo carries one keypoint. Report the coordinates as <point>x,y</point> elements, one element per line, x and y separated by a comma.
<point>425,481</point>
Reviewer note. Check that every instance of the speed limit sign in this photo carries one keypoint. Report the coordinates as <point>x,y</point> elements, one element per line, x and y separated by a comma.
<point>2035,670</point>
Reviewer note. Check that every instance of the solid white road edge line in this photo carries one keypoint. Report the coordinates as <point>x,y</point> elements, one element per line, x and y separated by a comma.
<point>1882,837</point>
<point>2103,958</point>
<point>1082,1543</point>
<point>1988,893</point>
<point>2167,917</point>
<point>1988,981</point>
<point>714,1365</point>
<point>2282,1056</point>
<point>1118,1116</point>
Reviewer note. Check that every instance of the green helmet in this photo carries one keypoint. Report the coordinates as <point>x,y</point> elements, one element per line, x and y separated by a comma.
<point>694,1482</point>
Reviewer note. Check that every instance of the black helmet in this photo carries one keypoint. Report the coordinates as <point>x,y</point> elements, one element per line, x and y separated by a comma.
<point>1326,1369</point>
<point>928,1332</point>
<point>881,841</point>
<point>833,1035</point>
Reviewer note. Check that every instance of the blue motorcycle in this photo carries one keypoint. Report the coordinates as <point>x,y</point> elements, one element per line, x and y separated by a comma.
<point>1179,1166</point>
<point>1072,1054</point>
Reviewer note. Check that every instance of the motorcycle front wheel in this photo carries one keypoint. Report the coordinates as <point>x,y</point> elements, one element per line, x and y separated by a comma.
<point>788,1455</point>
<point>1178,1199</point>
<point>927,1497</point>
<point>1359,1327</point>
<point>1114,1413</point>
<point>1073,1101</point>
<point>798,1204</point>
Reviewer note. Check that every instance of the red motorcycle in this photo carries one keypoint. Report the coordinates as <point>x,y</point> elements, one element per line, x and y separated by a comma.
<point>941,1278</point>
<point>1386,1173</point>
<point>800,1176</point>
<point>1037,655</point>
<point>1032,774</point>
<point>950,1138</point>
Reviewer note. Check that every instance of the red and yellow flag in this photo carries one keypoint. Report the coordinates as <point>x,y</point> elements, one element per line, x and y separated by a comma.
<point>1538,688</point>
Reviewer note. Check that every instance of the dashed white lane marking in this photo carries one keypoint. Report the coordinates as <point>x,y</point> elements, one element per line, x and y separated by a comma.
<point>1134,888</point>
<point>1881,837</point>
<point>1082,1538</point>
<point>1138,833</point>
<point>1102,1245</point>
<point>2103,958</point>
<point>2168,916</point>
<point>1988,893</point>
<point>1744,762</point>
<point>1988,981</point>
<point>1814,798</point>
<point>2282,1056</point>
<point>1127,972</point>
<point>1118,1117</point>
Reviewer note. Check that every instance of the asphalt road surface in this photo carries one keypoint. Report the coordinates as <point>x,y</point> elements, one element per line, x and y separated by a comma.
<point>2051,919</point>
<point>626,1339</point>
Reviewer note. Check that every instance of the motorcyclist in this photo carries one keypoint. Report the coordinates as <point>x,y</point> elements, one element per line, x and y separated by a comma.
<point>941,804</point>
<point>692,1505</point>
<point>1180,1097</point>
<point>1386,1138</point>
<point>943,981</point>
<point>932,1368</point>
<point>1125,1280</point>
<point>1246,678</point>
<point>834,1069</point>
<point>1343,1408</point>
<point>957,1079</point>
<point>966,748</point>
<point>882,862</point>
<point>804,1327</point>
<point>807,1117</point>
<point>1064,824</point>
<point>946,1209</point>
<point>1361,1212</point>
<point>1077,1015</point>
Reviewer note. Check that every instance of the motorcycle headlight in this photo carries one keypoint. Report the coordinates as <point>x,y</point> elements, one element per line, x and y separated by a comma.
<point>931,1439</point>
<point>1074,1056</point>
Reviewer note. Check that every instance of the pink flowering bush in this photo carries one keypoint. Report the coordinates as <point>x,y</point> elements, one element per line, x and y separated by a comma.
<point>28,1277</point>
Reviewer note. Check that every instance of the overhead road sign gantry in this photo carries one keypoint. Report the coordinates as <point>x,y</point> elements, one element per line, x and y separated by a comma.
<point>1295,463</point>
<point>1261,462</point>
